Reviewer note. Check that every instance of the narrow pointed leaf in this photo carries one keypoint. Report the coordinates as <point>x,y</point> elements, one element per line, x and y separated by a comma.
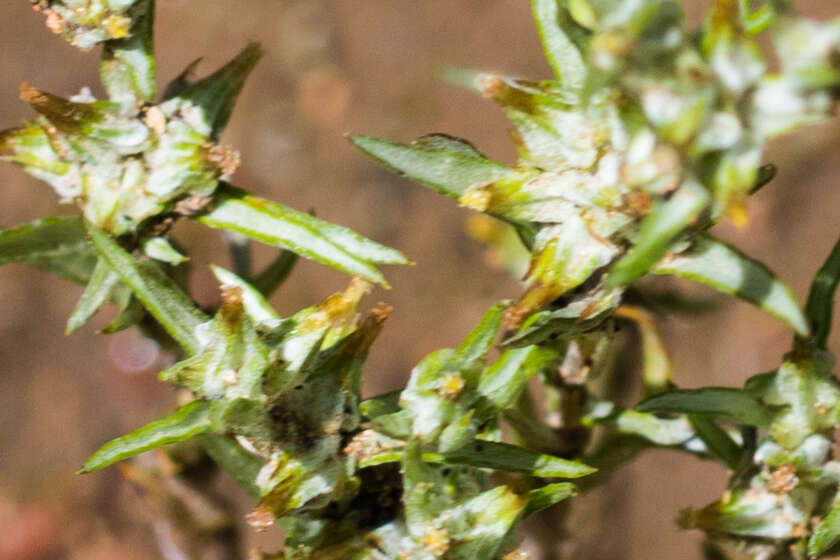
<point>475,347</point>
<point>717,441</point>
<point>255,304</point>
<point>657,231</point>
<point>562,54</point>
<point>189,420</point>
<point>160,249</point>
<point>495,456</point>
<point>216,94</point>
<point>548,495</point>
<point>766,173</point>
<point>724,268</point>
<point>96,293</point>
<point>279,226</point>
<point>57,245</point>
<point>387,403</point>
<point>158,293</point>
<point>827,533</point>
<point>396,424</point>
<point>660,431</point>
<point>820,306</point>
<point>733,404</point>
<point>131,313</point>
<point>446,165</point>
<point>241,256</point>
<point>502,382</point>
<point>181,81</point>
<point>275,273</point>
<point>128,65</point>
<point>506,457</point>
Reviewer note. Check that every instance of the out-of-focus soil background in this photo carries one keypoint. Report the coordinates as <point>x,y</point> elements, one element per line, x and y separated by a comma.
<point>336,66</point>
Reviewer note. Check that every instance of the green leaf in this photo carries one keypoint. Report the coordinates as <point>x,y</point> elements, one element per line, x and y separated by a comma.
<point>717,441</point>
<point>820,306</point>
<point>581,315</point>
<point>472,351</point>
<point>255,304</point>
<point>562,54</point>
<point>232,359</point>
<point>660,431</point>
<point>724,268</point>
<point>495,456</point>
<point>156,291</point>
<point>189,420</point>
<point>131,313</point>
<point>396,424</point>
<point>128,65</point>
<point>280,226</point>
<point>57,245</point>
<point>501,382</point>
<point>96,293</point>
<point>827,533</point>
<point>492,515</point>
<point>756,22</point>
<point>506,457</point>
<point>239,249</point>
<point>181,81</point>
<point>766,173</point>
<point>548,495</point>
<point>160,249</point>
<point>216,94</point>
<point>734,404</point>
<point>447,165</point>
<point>380,405</point>
<point>275,273</point>
<point>238,463</point>
<point>657,231</point>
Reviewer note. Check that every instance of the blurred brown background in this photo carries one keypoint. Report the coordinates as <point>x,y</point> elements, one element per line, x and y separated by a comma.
<point>336,66</point>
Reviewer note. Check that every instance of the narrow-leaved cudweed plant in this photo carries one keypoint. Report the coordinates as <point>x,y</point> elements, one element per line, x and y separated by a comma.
<point>648,135</point>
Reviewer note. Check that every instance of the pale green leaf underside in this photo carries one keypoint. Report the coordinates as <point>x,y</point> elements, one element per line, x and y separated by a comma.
<point>280,226</point>
<point>562,54</point>
<point>157,292</point>
<point>96,293</point>
<point>548,495</point>
<point>826,534</point>
<point>189,420</point>
<point>657,231</point>
<point>722,267</point>
<point>161,249</point>
<point>254,302</point>
<point>733,404</point>
<point>474,348</point>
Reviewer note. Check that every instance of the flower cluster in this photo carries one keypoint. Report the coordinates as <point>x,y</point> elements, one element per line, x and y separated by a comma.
<point>648,135</point>
<point>86,23</point>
